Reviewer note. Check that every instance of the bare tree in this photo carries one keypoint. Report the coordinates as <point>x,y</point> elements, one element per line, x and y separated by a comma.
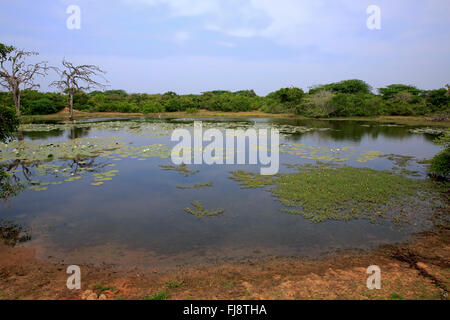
<point>15,73</point>
<point>77,78</point>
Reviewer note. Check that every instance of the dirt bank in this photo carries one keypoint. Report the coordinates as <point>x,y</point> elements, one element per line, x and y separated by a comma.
<point>419,269</point>
<point>79,115</point>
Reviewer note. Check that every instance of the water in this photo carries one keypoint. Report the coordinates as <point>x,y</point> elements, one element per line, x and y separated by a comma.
<point>138,217</point>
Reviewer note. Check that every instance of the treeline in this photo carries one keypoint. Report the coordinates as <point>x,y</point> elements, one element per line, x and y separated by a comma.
<point>341,99</point>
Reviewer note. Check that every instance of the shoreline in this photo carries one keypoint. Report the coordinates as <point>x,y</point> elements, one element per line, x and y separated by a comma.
<point>79,115</point>
<point>416,269</point>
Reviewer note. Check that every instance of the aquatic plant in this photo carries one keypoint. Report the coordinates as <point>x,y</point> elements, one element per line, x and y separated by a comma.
<point>342,193</point>
<point>321,153</point>
<point>182,168</point>
<point>251,180</point>
<point>196,185</point>
<point>200,212</point>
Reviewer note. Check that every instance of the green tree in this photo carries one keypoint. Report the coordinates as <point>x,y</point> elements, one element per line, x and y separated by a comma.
<point>393,90</point>
<point>8,126</point>
<point>347,86</point>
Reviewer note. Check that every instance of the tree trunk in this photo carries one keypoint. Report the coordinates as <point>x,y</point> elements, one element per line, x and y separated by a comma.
<point>16,96</point>
<point>71,106</point>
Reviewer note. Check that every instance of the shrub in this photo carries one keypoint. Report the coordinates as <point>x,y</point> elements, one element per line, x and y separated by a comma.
<point>152,107</point>
<point>392,90</point>
<point>8,122</point>
<point>320,104</point>
<point>347,86</point>
<point>440,164</point>
<point>42,106</point>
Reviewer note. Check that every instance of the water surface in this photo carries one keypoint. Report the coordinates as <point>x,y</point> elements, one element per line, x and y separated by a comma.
<point>138,219</point>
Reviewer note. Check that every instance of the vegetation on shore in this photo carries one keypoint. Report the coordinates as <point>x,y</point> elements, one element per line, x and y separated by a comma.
<point>329,101</point>
<point>440,164</point>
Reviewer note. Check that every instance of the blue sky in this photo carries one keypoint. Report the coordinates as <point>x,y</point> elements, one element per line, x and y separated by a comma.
<point>190,46</point>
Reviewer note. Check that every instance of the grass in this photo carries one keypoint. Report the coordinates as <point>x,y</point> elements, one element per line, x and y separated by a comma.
<point>395,296</point>
<point>161,295</point>
<point>201,212</point>
<point>172,284</point>
<point>342,193</point>
<point>100,288</point>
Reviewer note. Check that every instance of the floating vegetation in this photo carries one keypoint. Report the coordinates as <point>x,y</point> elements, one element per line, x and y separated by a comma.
<point>110,147</point>
<point>344,193</point>
<point>433,131</point>
<point>105,176</point>
<point>159,128</point>
<point>250,180</point>
<point>196,186</point>
<point>341,154</point>
<point>399,160</point>
<point>200,212</point>
<point>182,168</point>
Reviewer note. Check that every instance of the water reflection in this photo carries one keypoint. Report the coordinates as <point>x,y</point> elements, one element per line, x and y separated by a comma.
<point>140,212</point>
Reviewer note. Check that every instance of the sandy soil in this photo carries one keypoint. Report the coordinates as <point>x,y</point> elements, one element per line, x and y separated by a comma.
<point>419,269</point>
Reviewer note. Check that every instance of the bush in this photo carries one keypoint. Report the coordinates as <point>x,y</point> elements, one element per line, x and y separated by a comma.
<point>8,122</point>
<point>289,99</point>
<point>152,107</point>
<point>440,164</point>
<point>320,104</point>
<point>392,90</point>
<point>347,86</point>
<point>41,106</point>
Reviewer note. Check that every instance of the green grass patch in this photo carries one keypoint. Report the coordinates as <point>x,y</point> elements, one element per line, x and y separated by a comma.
<point>172,284</point>
<point>161,295</point>
<point>343,193</point>
<point>396,296</point>
<point>100,288</point>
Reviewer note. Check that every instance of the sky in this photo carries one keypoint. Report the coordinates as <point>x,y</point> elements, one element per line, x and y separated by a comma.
<point>192,46</point>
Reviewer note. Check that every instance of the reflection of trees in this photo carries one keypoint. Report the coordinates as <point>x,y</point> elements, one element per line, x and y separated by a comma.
<point>13,233</point>
<point>35,135</point>
<point>72,133</point>
<point>347,129</point>
<point>8,187</point>
<point>77,132</point>
<point>21,172</point>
